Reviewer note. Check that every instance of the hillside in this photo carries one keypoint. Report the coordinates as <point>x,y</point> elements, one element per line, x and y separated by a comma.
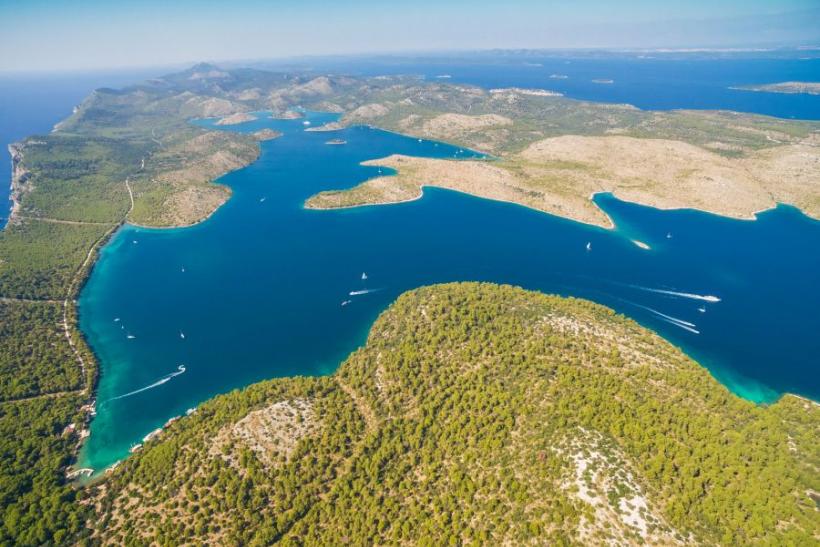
<point>480,413</point>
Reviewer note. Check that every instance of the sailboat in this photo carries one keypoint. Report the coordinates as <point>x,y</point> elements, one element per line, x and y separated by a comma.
<point>589,245</point>
<point>364,276</point>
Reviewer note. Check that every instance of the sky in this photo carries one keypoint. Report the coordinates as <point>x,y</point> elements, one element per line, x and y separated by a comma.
<point>48,35</point>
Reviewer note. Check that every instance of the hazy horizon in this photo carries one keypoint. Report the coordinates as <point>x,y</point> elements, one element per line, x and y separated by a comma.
<point>90,35</point>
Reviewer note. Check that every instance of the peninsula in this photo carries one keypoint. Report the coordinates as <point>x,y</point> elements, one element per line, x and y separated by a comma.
<point>559,175</point>
<point>552,154</point>
<point>809,88</point>
<point>236,119</point>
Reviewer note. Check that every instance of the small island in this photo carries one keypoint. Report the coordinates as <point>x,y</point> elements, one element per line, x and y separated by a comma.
<point>808,88</point>
<point>236,119</point>
<point>266,134</point>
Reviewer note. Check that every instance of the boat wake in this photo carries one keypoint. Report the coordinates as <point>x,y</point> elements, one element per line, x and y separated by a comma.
<point>681,325</point>
<point>363,291</point>
<point>164,379</point>
<point>685,325</point>
<point>705,298</point>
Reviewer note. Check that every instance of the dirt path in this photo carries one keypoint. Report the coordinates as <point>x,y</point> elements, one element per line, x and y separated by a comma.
<point>71,222</point>
<point>42,396</point>
<point>12,300</point>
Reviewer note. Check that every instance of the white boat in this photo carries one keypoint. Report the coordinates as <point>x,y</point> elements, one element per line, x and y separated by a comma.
<point>669,235</point>
<point>589,245</point>
<point>346,302</point>
<point>182,335</point>
<point>702,309</point>
<point>131,337</point>
<point>116,320</point>
<point>364,276</point>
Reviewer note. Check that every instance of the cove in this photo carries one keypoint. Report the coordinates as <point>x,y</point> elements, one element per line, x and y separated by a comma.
<point>256,291</point>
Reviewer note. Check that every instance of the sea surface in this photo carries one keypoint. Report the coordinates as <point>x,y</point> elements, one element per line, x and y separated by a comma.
<point>255,292</point>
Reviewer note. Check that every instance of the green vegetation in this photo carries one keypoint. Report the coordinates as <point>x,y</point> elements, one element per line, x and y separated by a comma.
<point>75,178</point>
<point>462,421</point>
<point>36,506</point>
<point>39,259</point>
<point>35,357</point>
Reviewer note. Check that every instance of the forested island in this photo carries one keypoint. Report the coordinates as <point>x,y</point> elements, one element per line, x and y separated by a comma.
<point>470,395</point>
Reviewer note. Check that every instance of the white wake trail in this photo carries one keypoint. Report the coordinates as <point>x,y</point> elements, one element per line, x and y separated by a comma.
<point>705,298</point>
<point>686,325</point>
<point>164,379</point>
<point>667,317</point>
<point>365,291</point>
<point>681,325</point>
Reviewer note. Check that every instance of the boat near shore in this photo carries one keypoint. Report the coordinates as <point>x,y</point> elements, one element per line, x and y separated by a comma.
<point>336,142</point>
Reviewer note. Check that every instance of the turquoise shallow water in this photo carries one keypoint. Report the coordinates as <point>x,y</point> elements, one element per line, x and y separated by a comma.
<point>257,289</point>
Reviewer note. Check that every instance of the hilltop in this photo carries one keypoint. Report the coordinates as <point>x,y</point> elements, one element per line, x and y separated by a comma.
<point>480,413</point>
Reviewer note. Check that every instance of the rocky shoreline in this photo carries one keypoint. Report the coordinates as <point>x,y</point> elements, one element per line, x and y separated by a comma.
<point>19,176</point>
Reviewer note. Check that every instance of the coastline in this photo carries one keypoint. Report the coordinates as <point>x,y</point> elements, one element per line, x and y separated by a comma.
<point>75,474</point>
<point>551,174</point>
<point>18,176</point>
<point>191,224</point>
<point>611,226</point>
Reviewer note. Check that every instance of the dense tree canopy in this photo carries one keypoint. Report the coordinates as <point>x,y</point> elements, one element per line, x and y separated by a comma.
<point>463,421</point>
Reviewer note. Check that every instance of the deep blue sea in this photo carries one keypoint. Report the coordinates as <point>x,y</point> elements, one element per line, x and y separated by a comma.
<point>256,291</point>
